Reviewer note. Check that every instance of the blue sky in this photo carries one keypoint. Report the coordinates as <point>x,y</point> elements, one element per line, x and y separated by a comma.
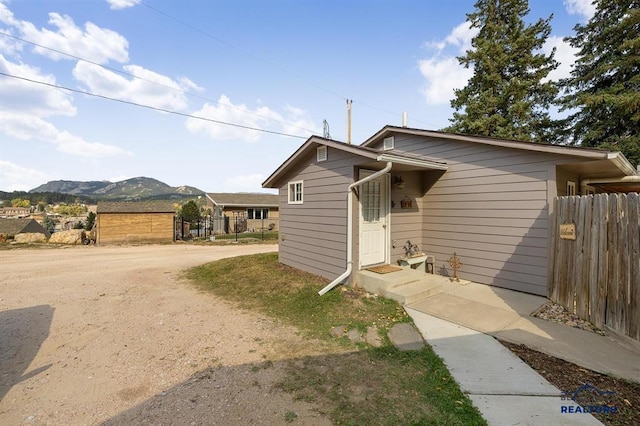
<point>283,66</point>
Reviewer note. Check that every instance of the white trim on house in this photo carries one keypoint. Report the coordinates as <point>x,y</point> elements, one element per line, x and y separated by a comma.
<point>385,221</point>
<point>297,196</point>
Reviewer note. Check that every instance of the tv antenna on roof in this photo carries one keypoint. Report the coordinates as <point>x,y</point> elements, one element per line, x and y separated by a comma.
<point>325,130</point>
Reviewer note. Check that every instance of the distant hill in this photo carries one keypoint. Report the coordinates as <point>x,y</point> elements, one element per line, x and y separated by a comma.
<point>139,188</point>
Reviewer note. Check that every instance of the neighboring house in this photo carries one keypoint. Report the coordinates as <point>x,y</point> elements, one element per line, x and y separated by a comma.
<point>15,211</point>
<point>488,200</point>
<point>12,227</point>
<point>135,222</point>
<point>259,210</point>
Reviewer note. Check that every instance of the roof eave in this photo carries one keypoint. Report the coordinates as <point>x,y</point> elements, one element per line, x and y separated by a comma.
<point>530,146</point>
<point>621,162</point>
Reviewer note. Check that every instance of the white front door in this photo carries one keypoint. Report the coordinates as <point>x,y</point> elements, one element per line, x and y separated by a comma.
<point>373,220</point>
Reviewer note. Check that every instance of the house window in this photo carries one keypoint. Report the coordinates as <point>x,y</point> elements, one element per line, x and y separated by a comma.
<point>295,190</point>
<point>256,213</point>
<point>590,190</point>
<point>571,188</point>
<point>321,153</point>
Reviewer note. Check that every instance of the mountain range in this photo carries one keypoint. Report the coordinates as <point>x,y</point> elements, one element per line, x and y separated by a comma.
<point>138,188</point>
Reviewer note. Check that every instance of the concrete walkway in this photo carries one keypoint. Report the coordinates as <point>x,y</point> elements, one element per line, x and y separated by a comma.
<point>506,315</point>
<point>500,385</point>
<point>461,321</point>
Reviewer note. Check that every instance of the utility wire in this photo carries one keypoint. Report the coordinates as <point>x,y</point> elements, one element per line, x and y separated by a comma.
<point>152,82</point>
<point>219,40</point>
<point>273,132</point>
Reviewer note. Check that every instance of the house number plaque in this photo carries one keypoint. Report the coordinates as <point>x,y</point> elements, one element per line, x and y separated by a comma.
<point>568,231</point>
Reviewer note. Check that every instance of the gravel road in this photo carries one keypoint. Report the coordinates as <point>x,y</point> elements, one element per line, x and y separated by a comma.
<point>113,335</point>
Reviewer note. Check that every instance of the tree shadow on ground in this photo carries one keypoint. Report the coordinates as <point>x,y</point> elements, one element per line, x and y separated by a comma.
<point>22,332</point>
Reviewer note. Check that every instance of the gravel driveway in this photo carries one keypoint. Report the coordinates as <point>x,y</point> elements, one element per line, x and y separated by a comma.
<point>92,335</point>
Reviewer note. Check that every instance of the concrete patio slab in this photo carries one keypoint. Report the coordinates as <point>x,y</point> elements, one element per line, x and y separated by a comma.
<point>469,313</point>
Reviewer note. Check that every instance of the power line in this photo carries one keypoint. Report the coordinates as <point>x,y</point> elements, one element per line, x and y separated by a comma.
<point>273,132</point>
<point>152,82</point>
<point>271,64</point>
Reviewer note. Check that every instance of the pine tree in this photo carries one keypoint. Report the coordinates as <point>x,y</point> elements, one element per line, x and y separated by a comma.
<point>604,86</point>
<point>507,96</point>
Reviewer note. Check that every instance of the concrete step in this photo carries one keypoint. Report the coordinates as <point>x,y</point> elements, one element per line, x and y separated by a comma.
<point>378,283</point>
<point>412,292</point>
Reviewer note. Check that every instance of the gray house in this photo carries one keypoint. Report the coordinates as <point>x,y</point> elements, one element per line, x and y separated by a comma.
<point>345,207</point>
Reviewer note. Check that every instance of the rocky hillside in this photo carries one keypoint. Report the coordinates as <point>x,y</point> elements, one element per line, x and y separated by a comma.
<point>139,188</point>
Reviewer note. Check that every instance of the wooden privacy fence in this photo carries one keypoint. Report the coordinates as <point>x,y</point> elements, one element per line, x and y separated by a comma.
<point>595,259</point>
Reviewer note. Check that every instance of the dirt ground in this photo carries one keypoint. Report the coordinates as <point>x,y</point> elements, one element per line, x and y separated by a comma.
<point>113,335</point>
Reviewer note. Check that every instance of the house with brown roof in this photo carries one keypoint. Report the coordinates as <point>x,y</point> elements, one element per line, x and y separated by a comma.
<point>344,208</point>
<point>10,227</point>
<point>135,222</point>
<point>254,211</point>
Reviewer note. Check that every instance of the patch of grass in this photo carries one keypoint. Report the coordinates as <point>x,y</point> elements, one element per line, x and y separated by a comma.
<point>373,386</point>
<point>290,416</point>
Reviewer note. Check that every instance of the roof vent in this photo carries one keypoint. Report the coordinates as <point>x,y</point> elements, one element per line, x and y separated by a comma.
<point>321,153</point>
<point>388,143</point>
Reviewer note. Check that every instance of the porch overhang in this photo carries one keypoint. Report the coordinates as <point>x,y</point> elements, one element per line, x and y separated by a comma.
<point>411,163</point>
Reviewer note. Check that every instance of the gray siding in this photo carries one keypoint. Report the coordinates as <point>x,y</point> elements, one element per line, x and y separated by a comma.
<point>313,234</point>
<point>491,207</point>
<point>406,223</point>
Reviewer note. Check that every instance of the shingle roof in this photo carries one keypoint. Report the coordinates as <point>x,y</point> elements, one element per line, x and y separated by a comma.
<point>16,226</point>
<point>135,207</point>
<point>244,199</point>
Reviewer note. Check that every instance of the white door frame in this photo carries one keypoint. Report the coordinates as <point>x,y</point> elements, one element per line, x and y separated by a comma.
<point>385,205</point>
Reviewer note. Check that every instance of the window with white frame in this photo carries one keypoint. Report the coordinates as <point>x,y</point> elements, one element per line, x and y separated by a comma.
<point>589,190</point>
<point>295,190</point>
<point>571,188</point>
<point>257,213</point>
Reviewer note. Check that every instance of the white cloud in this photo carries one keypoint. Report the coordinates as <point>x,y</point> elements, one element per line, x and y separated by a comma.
<point>27,104</point>
<point>443,73</point>
<point>122,4</point>
<point>565,55</point>
<point>18,178</point>
<point>30,98</point>
<point>150,88</point>
<point>6,16</point>
<point>93,43</point>
<point>443,76</point>
<point>28,127</point>
<point>295,122</point>
<point>584,8</point>
<point>9,46</point>
<point>461,36</point>
<point>300,123</point>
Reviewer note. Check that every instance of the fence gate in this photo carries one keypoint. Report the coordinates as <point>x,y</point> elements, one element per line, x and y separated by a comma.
<point>595,259</point>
